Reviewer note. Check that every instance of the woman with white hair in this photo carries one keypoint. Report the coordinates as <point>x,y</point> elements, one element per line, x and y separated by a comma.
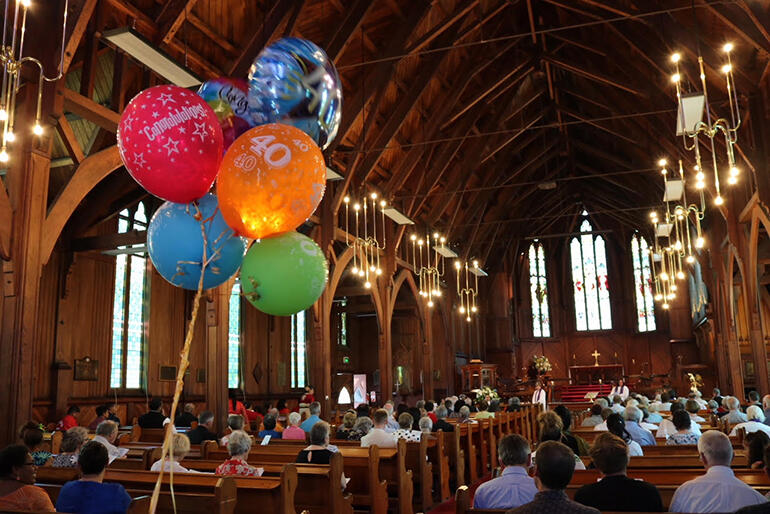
<point>734,414</point>
<point>238,447</point>
<point>180,443</point>
<point>234,422</point>
<point>293,431</point>
<point>426,425</point>
<point>755,423</point>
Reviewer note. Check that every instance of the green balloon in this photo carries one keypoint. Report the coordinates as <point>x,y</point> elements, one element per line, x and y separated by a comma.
<point>284,274</point>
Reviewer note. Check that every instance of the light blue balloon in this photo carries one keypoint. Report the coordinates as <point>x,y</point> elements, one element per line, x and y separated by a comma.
<point>175,244</point>
<point>293,81</point>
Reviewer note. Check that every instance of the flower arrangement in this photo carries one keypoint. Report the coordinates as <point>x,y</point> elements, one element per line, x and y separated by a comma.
<point>487,392</point>
<point>696,382</point>
<point>542,364</point>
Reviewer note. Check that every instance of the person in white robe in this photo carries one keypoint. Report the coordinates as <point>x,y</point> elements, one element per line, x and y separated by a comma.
<point>621,389</point>
<point>756,422</point>
<point>539,396</point>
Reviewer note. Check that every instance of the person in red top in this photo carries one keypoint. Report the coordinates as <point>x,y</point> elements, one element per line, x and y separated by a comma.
<point>283,410</point>
<point>234,406</point>
<point>309,396</point>
<point>69,420</point>
<point>429,406</point>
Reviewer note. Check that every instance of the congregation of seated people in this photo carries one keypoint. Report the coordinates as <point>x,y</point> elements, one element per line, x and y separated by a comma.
<point>533,476</point>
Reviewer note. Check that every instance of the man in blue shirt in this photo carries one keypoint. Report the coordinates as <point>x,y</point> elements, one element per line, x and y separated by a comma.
<point>641,435</point>
<point>514,487</point>
<point>315,410</point>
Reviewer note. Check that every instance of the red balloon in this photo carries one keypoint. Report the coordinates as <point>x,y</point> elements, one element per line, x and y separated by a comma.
<point>171,143</point>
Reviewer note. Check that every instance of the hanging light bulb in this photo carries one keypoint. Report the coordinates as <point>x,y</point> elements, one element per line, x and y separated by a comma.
<point>3,114</point>
<point>354,270</point>
<point>665,305</point>
<point>468,319</point>
<point>430,303</point>
<point>680,275</point>
<point>718,200</point>
<point>700,242</point>
<point>664,276</point>
<point>690,259</point>
<point>474,309</point>
<point>10,136</point>
<point>4,157</point>
<point>37,129</point>
<point>462,310</point>
<point>368,284</point>
<point>658,297</point>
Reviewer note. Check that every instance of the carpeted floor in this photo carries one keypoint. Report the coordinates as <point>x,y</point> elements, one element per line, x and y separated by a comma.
<point>449,506</point>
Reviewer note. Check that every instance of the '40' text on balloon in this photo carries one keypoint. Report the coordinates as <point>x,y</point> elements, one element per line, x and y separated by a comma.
<point>293,81</point>
<point>170,141</point>
<point>271,180</point>
<point>175,244</point>
<point>284,274</point>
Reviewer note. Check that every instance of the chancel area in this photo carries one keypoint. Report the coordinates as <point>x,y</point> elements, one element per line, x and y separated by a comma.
<point>385,256</point>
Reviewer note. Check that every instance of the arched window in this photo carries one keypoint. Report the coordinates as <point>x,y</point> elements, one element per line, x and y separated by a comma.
<point>128,308</point>
<point>541,323</point>
<point>589,277</point>
<point>234,339</point>
<point>645,312</point>
<point>344,397</point>
<point>298,349</point>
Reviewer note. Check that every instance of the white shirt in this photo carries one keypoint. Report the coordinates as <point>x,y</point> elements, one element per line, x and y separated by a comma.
<point>648,426</point>
<point>751,426</point>
<point>167,466</point>
<point>378,437</point>
<point>601,427</point>
<point>616,407</point>
<point>696,419</point>
<point>112,451</point>
<point>634,450</point>
<point>539,397</point>
<point>620,391</point>
<point>667,428</point>
<point>716,491</point>
<point>662,406</point>
<point>578,462</point>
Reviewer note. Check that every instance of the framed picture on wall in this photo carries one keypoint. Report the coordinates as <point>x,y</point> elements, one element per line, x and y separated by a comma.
<point>86,369</point>
<point>748,370</point>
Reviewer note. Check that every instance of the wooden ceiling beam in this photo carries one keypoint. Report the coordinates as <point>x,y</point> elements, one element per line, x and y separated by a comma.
<point>383,71</point>
<point>760,19</point>
<point>209,32</point>
<point>261,36</point>
<point>90,110</point>
<point>514,75</point>
<point>354,16</point>
<point>609,8</point>
<point>742,25</point>
<point>67,135</point>
<point>80,12</point>
<point>580,117</point>
<point>427,38</point>
<point>593,75</point>
<point>171,17</point>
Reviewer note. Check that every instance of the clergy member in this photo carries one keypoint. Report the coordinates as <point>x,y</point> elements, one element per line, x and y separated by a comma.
<point>539,395</point>
<point>621,389</point>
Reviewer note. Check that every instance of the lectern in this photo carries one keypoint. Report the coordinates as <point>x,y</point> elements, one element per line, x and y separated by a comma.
<point>478,375</point>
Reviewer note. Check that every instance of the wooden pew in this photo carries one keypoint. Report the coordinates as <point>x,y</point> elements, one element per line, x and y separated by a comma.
<point>667,480</point>
<point>318,490</point>
<point>392,466</point>
<point>456,457</point>
<point>192,493</point>
<point>673,462</point>
<point>463,503</point>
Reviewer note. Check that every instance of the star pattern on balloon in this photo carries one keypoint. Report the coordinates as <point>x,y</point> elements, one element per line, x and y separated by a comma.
<point>128,121</point>
<point>165,98</point>
<point>171,146</point>
<point>139,159</point>
<point>201,130</point>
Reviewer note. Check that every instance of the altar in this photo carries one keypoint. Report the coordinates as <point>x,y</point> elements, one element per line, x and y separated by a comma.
<point>593,374</point>
<point>477,375</point>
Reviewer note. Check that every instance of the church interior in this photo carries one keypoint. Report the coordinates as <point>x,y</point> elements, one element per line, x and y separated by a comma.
<point>510,204</point>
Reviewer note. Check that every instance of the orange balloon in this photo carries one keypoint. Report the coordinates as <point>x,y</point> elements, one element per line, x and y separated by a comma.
<point>271,180</point>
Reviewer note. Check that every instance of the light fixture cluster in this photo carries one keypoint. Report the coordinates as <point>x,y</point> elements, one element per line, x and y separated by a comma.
<point>13,59</point>
<point>428,265</point>
<point>467,289</point>
<point>691,107</point>
<point>673,240</point>
<point>367,243</point>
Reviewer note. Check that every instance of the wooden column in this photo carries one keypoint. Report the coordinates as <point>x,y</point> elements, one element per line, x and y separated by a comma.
<point>215,309</point>
<point>27,183</point>
<point>426,314</point>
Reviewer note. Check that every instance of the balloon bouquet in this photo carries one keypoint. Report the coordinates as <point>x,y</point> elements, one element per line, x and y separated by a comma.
<point>261,141</point>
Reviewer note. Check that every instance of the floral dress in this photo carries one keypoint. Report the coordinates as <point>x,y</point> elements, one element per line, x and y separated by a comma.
<point>65,460</point>
<point>682,438</point>
<point>238,467</point>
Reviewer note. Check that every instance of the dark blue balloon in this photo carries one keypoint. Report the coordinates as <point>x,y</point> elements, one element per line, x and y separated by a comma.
<point>293,81</point>
<point>175,244</point>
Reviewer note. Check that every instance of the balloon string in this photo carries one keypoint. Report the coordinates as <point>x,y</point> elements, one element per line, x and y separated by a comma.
<point>184,363</point>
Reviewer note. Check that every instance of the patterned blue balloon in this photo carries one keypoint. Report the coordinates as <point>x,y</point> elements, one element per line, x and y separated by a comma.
<point>293,81</point>
<point>175,244</point>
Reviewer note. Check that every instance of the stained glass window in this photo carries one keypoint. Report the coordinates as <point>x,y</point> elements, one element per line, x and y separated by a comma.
<point>645,312</point>
<point>541,323</point>
<point>234,339</point>
<point>128,307</point>
<point>342,324</point>
<point>589,278</point>
<point>298,349</point>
